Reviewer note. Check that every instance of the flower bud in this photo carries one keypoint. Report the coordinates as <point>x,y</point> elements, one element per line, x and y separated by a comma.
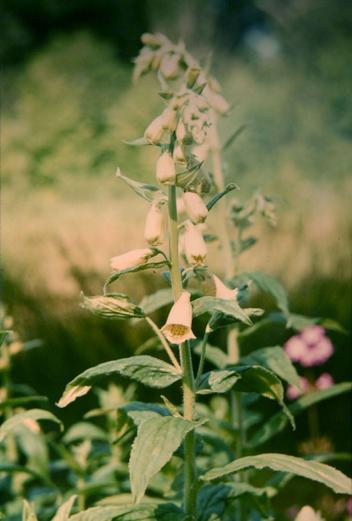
<point>178,326</point>
<point>181,132</point>
<point>194,245</point>
<point>154,131</point>
<point>169,66</point>
<point>200,152</point>
<point>114,306</point>
<point>154,225</point>
<point>165,169</point>
<point>153,40</point>
<point>169,117</point>
<point>222,291</point>
<point>179,155</point>
<point>131,259</point>
<point>195,207</point>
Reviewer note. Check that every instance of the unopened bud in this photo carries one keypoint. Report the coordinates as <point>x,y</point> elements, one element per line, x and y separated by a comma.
<point>179,155</point>
<point>165,169</point>
<point>154,225</point>
<point>154,131</point>
<point>181,132</point>
<point>131,259</point>
<point>194,245</point>
<point>113,306</point>
<point>169,117</point>
<point>169,66</point>
<point>195,207</point>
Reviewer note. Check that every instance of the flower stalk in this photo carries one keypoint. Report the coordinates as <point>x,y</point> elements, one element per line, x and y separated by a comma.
<point>188,384</point>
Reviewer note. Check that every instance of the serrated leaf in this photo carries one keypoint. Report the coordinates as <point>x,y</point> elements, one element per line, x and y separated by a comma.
<point>217,197</point>
<point>218,381</point>
<point>64,511</point>
<point>23,417</point>
<point>278,422</point>
<point>313,470</point>
<point>141,512</point>
<point>227,307</point>
<point>147,191</point>
<point>156,441</point>
<point>275,359</point>
<point>157,300</point>
<point>144,369</point>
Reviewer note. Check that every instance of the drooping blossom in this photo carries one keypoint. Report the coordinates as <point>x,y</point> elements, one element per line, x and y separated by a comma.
<point>222,291</point>
<point>131,259</point>
<point>311,347</point>
<point>195,207</point>
<point>165,169</point>
<point>154,225</point>
<point>178,326</point>
<point>194,245</point>
<point>155,130</point>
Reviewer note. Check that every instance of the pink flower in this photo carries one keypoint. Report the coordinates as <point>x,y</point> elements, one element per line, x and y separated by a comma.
<point>293,392</point>
<point>311,347</point>
<point>324,381</point>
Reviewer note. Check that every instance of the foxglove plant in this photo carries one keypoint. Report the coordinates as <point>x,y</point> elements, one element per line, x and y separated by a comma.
<point>185,133</point>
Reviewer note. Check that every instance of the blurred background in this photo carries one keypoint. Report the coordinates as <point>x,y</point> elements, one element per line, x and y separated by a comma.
<point>68,102</point>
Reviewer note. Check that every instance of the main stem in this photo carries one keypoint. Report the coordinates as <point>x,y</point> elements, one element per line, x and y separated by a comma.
<point>189,493</point>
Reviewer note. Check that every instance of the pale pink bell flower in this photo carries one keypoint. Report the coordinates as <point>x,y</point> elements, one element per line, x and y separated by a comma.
<point>154,225</point>
<point>194,245</point>
<point>165,169</point>
<point>178,326</point>
<point>195,207</point>
<point>222,291</point>
<point>131,259</point>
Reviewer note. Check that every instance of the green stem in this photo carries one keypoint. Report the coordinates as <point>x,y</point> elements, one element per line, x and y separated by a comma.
<point>202,356</point>
<point>165,343</point>
<point>189,494</point>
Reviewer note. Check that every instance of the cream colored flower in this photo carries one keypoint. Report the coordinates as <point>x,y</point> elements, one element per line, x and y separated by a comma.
<point>155,130</point>
<point>179,155</point>
<point>200,152</point>
<point>195,207</point>
<point>131,259</point>
<point>165,169</point>
<point>154,225</point>
<point>194,245</point>
<point>178,326</point>
<point>222,291</point>
<point>169,117</point>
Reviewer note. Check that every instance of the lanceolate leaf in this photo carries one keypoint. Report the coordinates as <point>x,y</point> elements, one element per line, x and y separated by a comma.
<point>227,307</point>
<point>217,197</point>
<point>144,190</point>
<point>23,417</point>
<point>275,359</point>
<point>64,511</point>
<point>313,470</point>
<point>141,512</point>
<point>145,369</point>
<point>278,422</point>
<point>156,441</point>
<point>218,381</point>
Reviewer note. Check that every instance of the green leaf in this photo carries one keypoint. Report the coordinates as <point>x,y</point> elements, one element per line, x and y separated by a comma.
<point>156,441</point>
<point>22,417</point>
<point>218,381</point>
<point>234,136</point>
<point>258,379</point>
<point>278,422</point>
<point>269,284</point>
<point>141,512</point>
<point>84,431</point>
<point>22,400</point>
<point>12,468</point>
<point>63,513</point>
<point>3,335</point>
<point>140,411</point>
<point>217,197</point>
<point>144,368</point>
<point>313,470</point>
<point>227,307</point>
<point>146,191</point>
<point>275,359</point>
<point>157,300</point>
<point>212,499</point>
<point>27,512</point>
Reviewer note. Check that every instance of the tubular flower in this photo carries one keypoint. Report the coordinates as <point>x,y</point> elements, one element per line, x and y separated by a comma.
<point>179,155</point>
<point>154,131</point>
<point>195,207</point>
<point>169,117</point>
<point>154,225</point>
<point>178,326</point>
<point>165,169</point>
<point>131,259</point>
<point>194,245</point>
<point>222,291</point>
<point>181,132</point>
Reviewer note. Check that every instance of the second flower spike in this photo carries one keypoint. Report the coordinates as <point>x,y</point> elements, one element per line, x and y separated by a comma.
<point>178,327</point>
